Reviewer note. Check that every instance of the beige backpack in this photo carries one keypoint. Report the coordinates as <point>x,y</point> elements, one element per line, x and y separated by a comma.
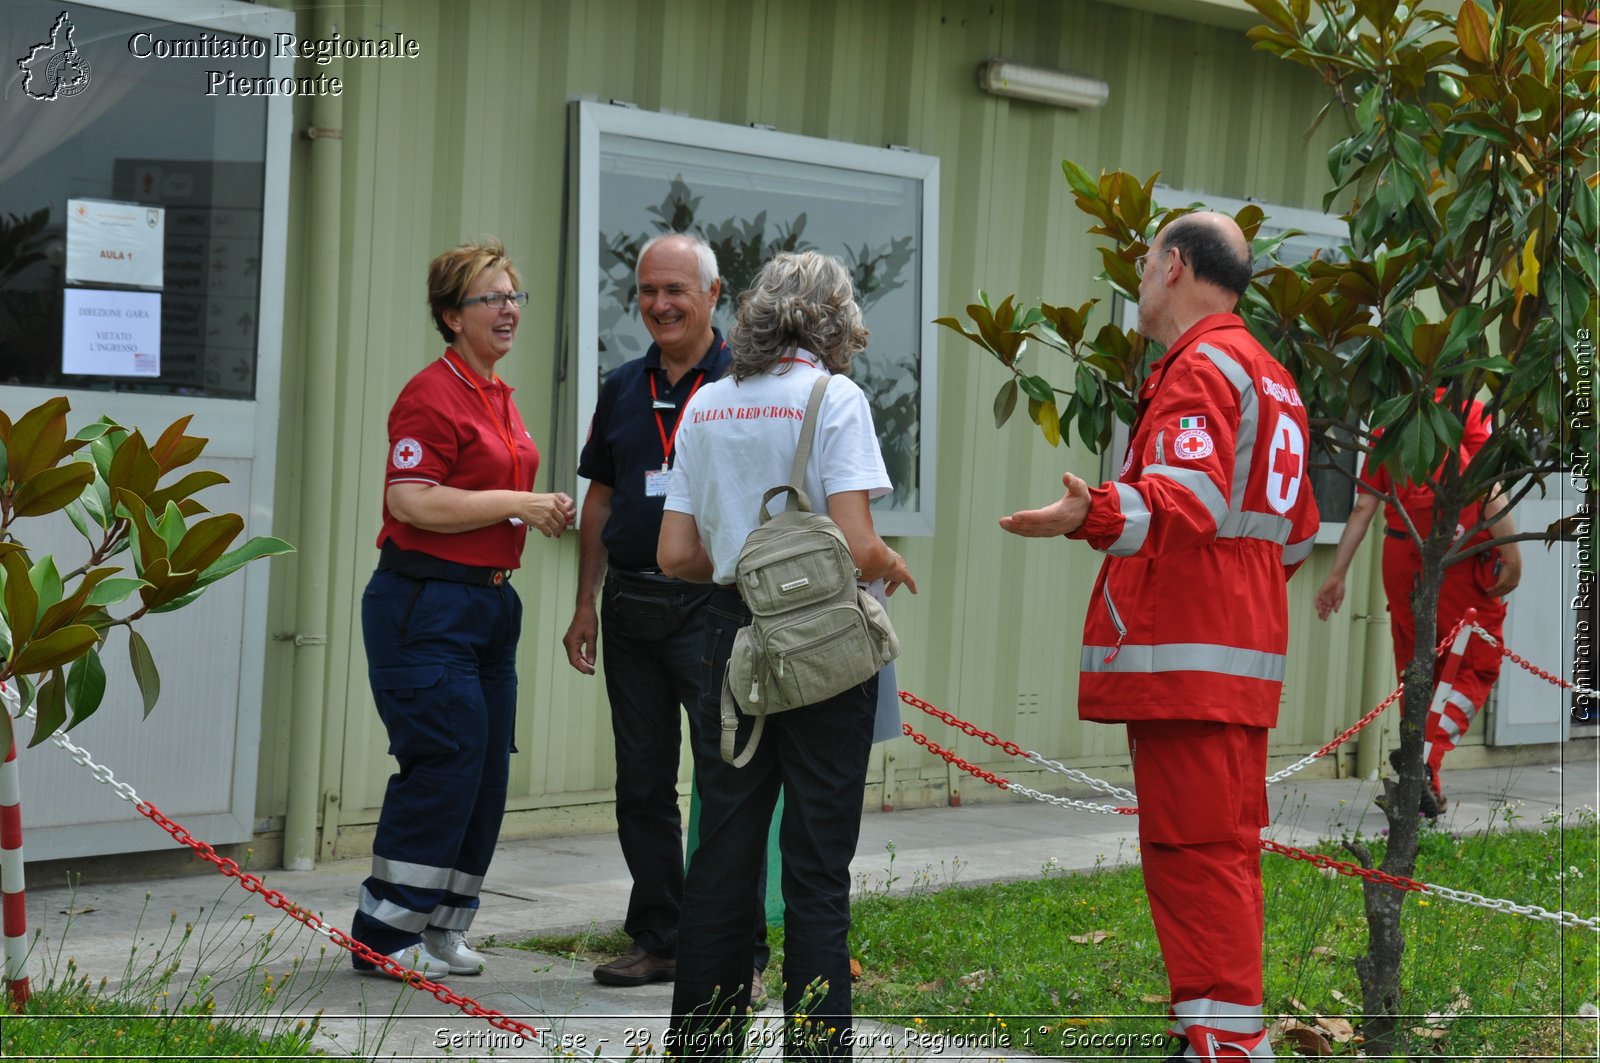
<point>814,632</point>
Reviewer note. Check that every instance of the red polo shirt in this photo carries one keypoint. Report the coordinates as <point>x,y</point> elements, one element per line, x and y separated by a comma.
<point>453,428</point>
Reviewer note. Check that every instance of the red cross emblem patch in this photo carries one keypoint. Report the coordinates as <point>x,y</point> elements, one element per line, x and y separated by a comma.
<point>1286,464</point>
<point>407,454</point>
<point>1193,444</point>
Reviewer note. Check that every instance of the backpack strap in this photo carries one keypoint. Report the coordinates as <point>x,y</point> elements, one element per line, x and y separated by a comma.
<point>808,430</point>
<point>795,488</point>
<point>730,729</point>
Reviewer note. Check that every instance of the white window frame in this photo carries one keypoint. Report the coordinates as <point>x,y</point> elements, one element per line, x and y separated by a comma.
<point>593,122</point>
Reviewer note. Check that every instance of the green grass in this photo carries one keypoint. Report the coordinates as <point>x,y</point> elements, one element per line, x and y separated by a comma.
<point>1067,964</point>
<point>81,1022</point>
<point>1050,961</point>
<point>215,988</point>
<point>584,946</point>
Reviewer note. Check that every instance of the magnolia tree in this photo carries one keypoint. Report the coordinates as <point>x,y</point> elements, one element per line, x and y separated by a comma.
<point>1467,179</point>
<point>55,621</point>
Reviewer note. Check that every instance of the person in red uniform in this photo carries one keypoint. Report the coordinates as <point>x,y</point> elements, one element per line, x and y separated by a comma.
<point>1189,618</point>
<point>440,619</point>
<point>1479,582</point>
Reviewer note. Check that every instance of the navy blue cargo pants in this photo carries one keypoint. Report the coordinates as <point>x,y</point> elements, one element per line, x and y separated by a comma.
<point>441,657</point>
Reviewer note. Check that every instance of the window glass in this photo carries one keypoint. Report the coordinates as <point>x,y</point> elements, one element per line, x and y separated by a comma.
<point>748,208</point>
<point>113,109</point>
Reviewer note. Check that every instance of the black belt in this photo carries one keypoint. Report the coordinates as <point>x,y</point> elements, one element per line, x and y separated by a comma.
<point>1395,533</point>
<point>650,582</point>
<point>425,566</point>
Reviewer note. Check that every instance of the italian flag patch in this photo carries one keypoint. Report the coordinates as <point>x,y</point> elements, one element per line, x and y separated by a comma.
<point>1191,422</point>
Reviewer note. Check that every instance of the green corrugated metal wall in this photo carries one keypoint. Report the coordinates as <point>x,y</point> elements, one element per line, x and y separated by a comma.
<point>471,138</point>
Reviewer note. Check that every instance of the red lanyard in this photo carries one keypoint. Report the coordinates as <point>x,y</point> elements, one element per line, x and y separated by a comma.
<point>502,423</point>
<point>667,442</point>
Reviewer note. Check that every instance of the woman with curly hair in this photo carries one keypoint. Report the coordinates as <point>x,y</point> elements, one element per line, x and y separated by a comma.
<point>738,438</point>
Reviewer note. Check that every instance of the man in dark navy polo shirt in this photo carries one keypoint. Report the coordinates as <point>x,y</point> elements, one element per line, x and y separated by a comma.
<point>652,622</point>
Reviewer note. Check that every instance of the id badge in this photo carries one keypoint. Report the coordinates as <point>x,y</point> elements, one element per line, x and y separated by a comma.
<point>656,482</point>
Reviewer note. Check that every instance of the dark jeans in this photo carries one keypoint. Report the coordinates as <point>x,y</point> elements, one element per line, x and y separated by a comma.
<point>653,628</point>
<point>818,755</point>
<point>441,658</point>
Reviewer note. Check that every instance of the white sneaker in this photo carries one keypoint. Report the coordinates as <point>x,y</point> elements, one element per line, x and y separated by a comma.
<point>414,958</point>
<point>450,946</point>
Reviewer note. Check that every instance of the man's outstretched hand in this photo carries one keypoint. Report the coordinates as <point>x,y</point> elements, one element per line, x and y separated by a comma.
<point>1061,517</point>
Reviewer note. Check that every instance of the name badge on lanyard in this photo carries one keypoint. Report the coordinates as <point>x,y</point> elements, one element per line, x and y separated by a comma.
<point>656,482</point>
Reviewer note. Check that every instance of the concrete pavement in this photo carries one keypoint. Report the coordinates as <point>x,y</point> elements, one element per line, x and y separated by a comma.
<point>558,884</point>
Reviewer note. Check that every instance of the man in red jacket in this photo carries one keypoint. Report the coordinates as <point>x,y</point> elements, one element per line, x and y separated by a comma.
<point>1188,623</point>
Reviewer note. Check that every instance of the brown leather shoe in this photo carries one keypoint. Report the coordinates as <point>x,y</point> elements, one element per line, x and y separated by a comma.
<point>636,967</point>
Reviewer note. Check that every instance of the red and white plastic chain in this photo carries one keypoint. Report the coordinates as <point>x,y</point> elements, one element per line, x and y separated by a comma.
<point>1003,783</point>
<point>1321,860</point>
<point>1399,882</point>
<point>1529,666</point>
<point>1017,751</point>
<point>254,884</point>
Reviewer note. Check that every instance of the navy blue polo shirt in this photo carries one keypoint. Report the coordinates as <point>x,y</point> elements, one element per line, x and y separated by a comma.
<point>625,442</point>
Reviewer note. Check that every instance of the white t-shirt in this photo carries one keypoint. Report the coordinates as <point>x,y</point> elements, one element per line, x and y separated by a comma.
<point>737,440</point>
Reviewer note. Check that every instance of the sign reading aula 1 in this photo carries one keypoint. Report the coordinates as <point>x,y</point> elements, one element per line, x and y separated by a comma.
<point>115,243</point>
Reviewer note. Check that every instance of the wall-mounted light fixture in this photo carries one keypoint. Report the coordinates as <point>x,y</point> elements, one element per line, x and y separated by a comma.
<point>1001,77</point>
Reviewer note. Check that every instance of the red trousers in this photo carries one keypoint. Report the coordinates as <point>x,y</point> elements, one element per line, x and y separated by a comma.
<point>1202,804</point>
<point>1461,589</point>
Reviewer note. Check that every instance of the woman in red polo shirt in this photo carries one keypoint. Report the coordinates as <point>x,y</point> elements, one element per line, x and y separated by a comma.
<point>440,618</point>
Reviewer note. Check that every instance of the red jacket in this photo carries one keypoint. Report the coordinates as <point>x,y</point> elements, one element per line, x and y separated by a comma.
<point>1210,516</point>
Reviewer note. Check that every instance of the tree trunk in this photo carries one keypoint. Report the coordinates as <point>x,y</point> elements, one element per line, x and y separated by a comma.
<point>1379,969</point>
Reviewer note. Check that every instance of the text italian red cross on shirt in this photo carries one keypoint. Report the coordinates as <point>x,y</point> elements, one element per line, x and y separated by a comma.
<point>1287,463</point>
<point>1192,445</point>
<point>406,453</point>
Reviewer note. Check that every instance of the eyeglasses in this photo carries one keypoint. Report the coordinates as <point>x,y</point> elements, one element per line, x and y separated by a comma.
<point>496,300</point>
<point>1139,263</point>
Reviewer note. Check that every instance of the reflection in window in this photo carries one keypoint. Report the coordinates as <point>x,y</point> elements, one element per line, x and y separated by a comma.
<point>644,192</point>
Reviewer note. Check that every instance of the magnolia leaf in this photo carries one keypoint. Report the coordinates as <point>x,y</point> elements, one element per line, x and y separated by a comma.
<point>167,445</point>
<point>258,547</point>
<point>51,707</point>
<point>115,591</point>
<point>66,610</point>
<point>144,670</point>
<point>21,600</point>
<point>53,489</point>
<point>1037,388</point>
<point>1306,1040</point>
<point>132,468</point>
<point>75,515</point>
<point>1093,937</point>
<point>180,491</point>
<point>35,441</point>
<point>1080,180</point>
<point>1472,32</point>
<point>86,687</point>
<point>1528,278</point>
<point>46,581</point>
<point>1005,402</point>
<point>55,650</point>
